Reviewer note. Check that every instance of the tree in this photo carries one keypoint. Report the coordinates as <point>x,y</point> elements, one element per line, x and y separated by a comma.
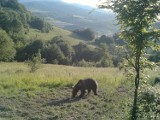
<point>88,33</point>
<point>14,18</point>
<point>40,24</point>
<point>52,53</point>
<point>26,52</point>
<point>7,50</point>
<point>136,18</point>
<point>87,53</point>
<point>105,39</point>
<point>58,51</point>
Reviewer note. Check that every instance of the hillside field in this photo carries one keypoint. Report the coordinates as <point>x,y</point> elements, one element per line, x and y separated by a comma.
<point>69,36</point>
<point>45,94</point>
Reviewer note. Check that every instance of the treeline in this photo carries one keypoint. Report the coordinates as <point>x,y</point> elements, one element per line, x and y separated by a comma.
<point>103,52</point>
<point>59,51</point>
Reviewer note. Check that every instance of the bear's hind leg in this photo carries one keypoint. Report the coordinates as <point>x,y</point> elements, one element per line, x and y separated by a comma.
<point>95,91</point>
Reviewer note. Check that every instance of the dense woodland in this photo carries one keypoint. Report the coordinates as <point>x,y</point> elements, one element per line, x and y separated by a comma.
<point>16,45</point>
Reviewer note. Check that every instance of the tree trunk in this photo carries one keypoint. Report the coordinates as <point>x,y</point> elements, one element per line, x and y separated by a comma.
<point>137,78</point>
<point>134,109</point>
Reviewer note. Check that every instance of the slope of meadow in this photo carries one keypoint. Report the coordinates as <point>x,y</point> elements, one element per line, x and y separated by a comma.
<point>45,94</point>
<point>69,36</point>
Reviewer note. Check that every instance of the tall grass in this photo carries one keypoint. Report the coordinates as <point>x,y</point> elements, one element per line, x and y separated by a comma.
<point>16,77</point>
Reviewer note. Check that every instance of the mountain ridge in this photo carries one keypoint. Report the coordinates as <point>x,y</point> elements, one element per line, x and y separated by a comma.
<point>76,16</point>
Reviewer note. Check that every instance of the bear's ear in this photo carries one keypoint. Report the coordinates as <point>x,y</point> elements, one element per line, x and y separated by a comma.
<point>80,82</point>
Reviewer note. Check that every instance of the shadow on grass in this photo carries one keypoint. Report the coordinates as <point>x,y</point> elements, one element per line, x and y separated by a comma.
<point>4,109</point>
<point>61,102</point>
<point>76,36</point>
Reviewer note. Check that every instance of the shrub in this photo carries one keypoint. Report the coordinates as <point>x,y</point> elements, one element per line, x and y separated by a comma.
<point>35,62</point>
<point>86,33</point>
<point>149,100</point>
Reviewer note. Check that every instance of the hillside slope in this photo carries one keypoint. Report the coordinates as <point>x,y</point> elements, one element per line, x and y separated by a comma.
<point>74,16</point>
<point>70,37</point>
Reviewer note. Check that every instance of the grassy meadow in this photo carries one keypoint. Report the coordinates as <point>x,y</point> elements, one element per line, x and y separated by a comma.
<point>69,36</point>
<point>16,77</point>
<point>45,94</point>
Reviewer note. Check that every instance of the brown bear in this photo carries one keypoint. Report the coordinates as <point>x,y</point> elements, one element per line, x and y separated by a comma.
<point>86,84</point>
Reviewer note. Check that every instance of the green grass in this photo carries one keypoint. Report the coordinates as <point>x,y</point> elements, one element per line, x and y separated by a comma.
<point>45,94</point>
<point>69,36</point>
<point>16,77</point>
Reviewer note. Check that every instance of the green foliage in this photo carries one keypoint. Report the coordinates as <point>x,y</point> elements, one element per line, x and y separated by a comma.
<point>88,33</point>
<point>106,60</point>
<point>84,63</point>
<point>40,24</point>
<point>7,50</point>
<point>35,62</point>
<point>53,53</point>
<point>58,51</point>
<point>111,49</point>
<point>149,100</point>
<point>104,39</point>
<point>13,16</point>
<point>83,51</point>
<point>26,52</point>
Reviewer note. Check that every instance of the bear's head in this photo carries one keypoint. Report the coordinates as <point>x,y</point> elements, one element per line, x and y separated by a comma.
<point>76,88</point>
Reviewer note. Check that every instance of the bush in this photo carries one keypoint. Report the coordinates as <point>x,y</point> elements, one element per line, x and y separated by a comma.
<point>84,63</point>
<point>40,24</point>
<point>104,39</point>
<point>86,33</point>
<point>149,100</point>
<point>35,62</point>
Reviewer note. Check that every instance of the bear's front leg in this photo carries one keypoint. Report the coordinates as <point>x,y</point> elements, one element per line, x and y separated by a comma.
<point>82,93</point>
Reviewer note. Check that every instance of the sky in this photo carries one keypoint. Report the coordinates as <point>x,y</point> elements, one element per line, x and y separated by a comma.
<point>91,3</point>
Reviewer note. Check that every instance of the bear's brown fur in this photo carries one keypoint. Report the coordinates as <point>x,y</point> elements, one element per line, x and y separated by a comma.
<point>86,84</point>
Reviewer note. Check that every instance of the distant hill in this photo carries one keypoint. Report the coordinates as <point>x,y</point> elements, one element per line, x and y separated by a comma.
<point>73,16</point>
